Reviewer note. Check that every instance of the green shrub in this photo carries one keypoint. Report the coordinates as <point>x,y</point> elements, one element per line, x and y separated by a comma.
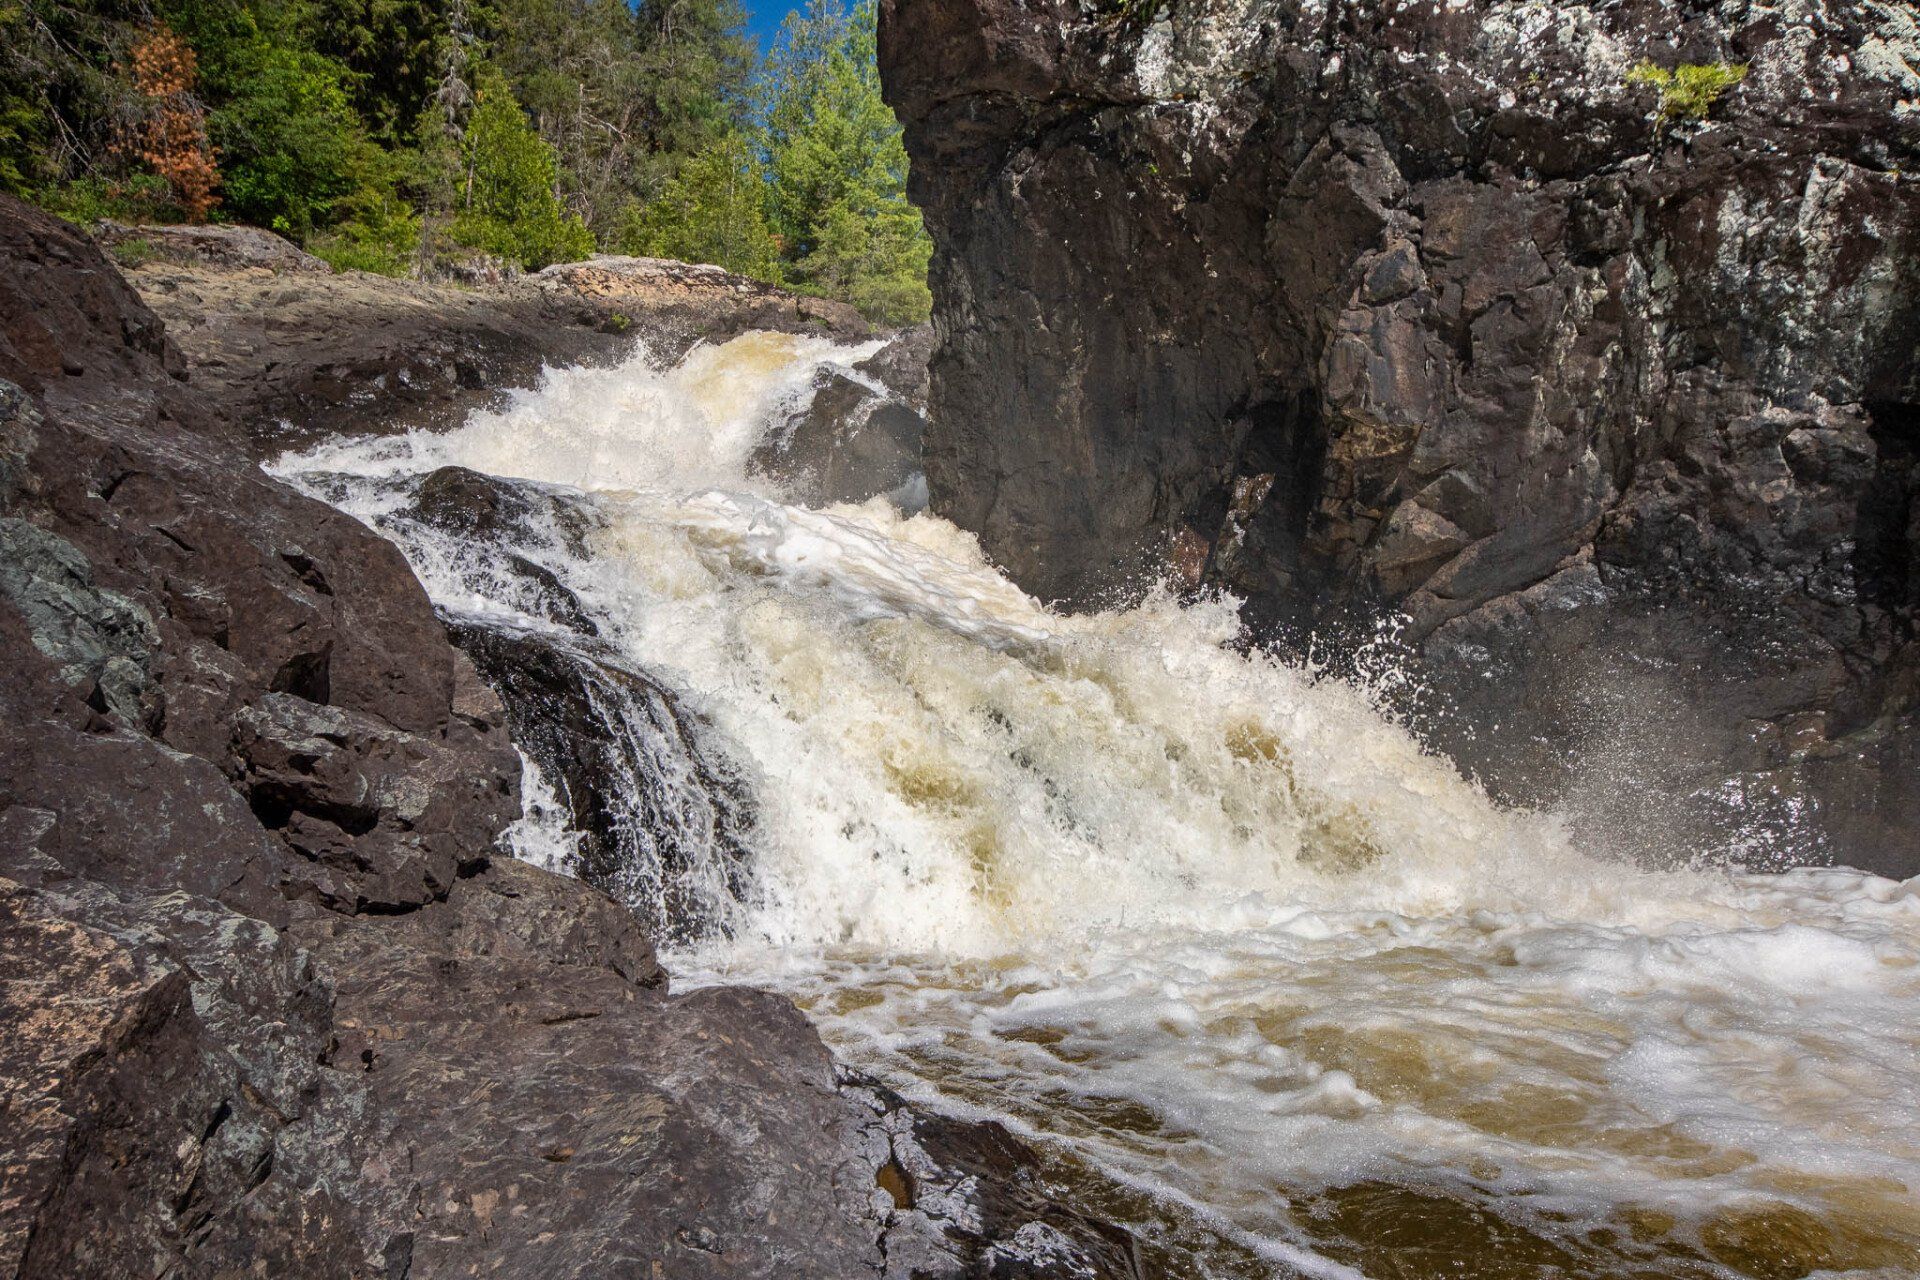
<point>714,210</point>
<point>382,237</point>
<point>137,252</point>
<point>1689,91</point>
<point>141,197</point>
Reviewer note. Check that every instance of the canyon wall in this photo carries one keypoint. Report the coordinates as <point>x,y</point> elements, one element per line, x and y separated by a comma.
<point>1443,312</point>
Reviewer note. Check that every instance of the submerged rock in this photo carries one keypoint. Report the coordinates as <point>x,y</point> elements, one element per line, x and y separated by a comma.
<point>1437,310</point>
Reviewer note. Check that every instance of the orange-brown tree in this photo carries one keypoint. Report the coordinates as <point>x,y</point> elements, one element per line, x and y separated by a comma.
<point>170,134</point>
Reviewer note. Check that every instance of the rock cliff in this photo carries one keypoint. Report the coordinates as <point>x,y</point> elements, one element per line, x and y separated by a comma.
<point>1453,312</point>
<point>272,1000</point>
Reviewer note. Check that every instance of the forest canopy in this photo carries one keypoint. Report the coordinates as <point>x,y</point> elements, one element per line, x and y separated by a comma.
<point>404,136</point>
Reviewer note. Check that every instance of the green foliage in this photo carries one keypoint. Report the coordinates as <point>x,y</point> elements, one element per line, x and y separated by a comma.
<point>839,168</point>
<point>61,103</point>
<point>382,236</point>
<point>392,51</point>
<point>875,259</point>
<point>510,207</point>
<point>714,210</point>
<point>1139,13</point>
<point>86,201</point>
<point>137,252</point>
<point>292,149</point>
<point>1689,91</point>
<point>20,115</point>
<point>386,135</point>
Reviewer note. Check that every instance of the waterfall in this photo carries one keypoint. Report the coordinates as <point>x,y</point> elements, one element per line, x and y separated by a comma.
<point>1208,924</point>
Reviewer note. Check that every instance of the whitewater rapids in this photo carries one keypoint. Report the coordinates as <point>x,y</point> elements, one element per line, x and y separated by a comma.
<point>1266,980</point>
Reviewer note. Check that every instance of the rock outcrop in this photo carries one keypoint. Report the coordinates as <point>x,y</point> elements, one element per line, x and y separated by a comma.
<point>291,352</point>
<point>273,1001</point>
<point>1444,311</point>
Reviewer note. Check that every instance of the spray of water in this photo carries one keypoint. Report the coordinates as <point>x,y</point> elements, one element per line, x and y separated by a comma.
<point>1247,959</point>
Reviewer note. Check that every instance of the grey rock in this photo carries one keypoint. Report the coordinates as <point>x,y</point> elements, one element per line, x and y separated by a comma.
<point>274,1001</point>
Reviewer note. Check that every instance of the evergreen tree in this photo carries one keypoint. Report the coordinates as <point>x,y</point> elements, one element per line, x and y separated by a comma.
<point>391,50</point>
<point>385,134</point>
<point>839,168</point>
<point>20,116</point>
<point>713,211</point>
<point>509,207</point>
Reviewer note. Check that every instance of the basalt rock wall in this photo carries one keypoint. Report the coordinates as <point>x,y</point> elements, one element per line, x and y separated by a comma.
<point>1442,312</point>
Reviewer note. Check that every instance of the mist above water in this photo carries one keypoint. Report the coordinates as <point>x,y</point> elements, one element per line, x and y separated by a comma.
<point>1261,972</point>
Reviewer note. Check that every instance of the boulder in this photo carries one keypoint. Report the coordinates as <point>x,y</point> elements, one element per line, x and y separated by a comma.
<point>850,443</point>
<point>234,248</point>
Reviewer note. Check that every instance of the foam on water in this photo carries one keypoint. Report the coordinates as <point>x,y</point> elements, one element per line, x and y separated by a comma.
<point>1205,921</point>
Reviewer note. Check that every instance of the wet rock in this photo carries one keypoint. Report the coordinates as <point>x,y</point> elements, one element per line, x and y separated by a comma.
<point>1449,256</point>
<point>901,365</point>
<point>963,1199</point>
<point>658,807</point>
<point>850,443</point>
<point>468,504</point>
<point>509,523</point>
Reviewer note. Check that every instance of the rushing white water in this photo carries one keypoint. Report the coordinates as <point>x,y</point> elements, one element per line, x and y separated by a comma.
<point>1265,978</point>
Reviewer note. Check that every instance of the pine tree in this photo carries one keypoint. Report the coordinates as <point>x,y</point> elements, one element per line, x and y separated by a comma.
<point>509,207</point>
<point>839,168</point>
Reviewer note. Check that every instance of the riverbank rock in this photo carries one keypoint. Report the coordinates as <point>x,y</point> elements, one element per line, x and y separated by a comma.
<point>291,354</point>
<point>275,1001</point>
<point>1452,313</point>
<point>234,248</point>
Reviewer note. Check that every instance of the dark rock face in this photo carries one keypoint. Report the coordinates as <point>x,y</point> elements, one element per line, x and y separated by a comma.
<point>658,810</point>
<point>273,1002</point>
<point>1422,309</point>
<point>848,444</point>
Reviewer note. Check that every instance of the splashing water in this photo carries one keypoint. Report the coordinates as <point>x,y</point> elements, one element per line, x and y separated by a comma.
<point>1267,981</point>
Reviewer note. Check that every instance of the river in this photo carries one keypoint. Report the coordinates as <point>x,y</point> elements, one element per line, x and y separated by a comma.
<point>1262,977</point>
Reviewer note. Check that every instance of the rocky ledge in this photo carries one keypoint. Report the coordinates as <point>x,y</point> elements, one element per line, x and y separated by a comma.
<point>1448,311</point>
<point>273,1000</point>
<point>280,344</point>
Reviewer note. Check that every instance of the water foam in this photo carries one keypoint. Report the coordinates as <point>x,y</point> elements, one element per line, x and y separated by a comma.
<point>1204,919</point>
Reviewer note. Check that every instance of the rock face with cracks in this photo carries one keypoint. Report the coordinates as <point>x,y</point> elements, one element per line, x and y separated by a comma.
<point>274,1002</point>
<point>1437,311</point>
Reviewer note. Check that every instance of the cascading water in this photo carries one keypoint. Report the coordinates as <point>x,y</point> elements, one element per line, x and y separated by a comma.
<point>1265,979</point>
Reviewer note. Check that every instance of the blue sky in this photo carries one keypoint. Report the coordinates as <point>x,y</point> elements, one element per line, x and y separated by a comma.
<point>764,18</point>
